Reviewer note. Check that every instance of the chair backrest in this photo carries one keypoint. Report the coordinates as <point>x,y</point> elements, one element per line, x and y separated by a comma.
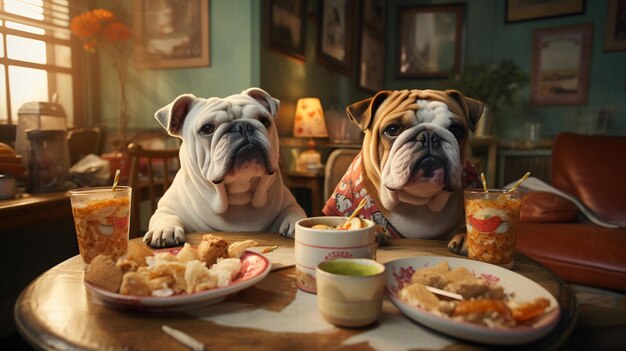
<point>82,142</point>
<point>336,166</point>
<point>151,174</point>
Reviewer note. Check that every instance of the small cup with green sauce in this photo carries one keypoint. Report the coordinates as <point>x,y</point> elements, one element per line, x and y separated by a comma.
<point>350,291</point>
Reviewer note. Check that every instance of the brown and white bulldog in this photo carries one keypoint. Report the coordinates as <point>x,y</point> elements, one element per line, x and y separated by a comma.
<point>411,165</point>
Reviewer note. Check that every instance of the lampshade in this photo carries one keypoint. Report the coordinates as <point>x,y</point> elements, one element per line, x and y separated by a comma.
<point>309,121</point>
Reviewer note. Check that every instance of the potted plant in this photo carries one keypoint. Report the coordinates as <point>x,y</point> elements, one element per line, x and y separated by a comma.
<point>495,84</point>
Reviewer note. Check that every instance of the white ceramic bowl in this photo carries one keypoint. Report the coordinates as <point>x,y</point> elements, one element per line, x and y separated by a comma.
<point>313,246</point>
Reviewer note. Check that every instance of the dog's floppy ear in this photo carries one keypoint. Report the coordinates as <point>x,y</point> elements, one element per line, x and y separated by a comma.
<point>472,108</point>
<point>363,112</point>
<point>172,116</point>
<point>264,99</point>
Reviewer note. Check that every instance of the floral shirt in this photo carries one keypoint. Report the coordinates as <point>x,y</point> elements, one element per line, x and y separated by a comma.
<point>350,191</point>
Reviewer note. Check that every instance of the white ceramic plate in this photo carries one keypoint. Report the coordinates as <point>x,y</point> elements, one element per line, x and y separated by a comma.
<point>399,272</point>
<point>254,267</point>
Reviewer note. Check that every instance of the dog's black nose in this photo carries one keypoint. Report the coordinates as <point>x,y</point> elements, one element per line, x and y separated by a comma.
<point>243,127</point>
<point>429,139</point>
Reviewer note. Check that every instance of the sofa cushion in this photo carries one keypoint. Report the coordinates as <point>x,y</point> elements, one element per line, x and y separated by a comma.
<point>580,253</point>
<point>591,168</point>
<point>541,206</point>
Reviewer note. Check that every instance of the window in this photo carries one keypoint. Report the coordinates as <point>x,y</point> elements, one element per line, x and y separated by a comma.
<point>35,56</point>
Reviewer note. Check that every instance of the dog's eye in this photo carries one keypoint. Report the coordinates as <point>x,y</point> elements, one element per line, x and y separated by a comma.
<point>457,130</point>
<point>207,129</point>
<point>392,131</point>
<point>265,121</point>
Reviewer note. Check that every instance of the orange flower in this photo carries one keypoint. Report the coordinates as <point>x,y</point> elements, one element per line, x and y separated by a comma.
<point>103,15</point>
<point>85,25</point>
<point>116,31</point>
<point>97,25</point>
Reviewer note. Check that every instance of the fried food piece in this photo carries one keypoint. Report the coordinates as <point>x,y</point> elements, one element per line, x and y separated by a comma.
<point>195,273</point>
<point>187,254</point>
<point>211,248</point>
<point>460,273</point>
<point>236,249</point>
<point>135,283</point>
<point>432,276</point>
<point>104,273</point>
<point>416,294</point>
<point>468,287</point>
<point>487,312</point>
<point>135,257</point>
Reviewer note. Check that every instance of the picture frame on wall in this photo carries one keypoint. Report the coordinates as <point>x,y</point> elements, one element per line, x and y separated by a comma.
<point>287,27</point>
<point>615,29</point>
<point>528,10</point>
<point>374,16</point>
<point>371,75</point>
<point>429,41</point>
<point>335,35</point>
<point>171,34</point>
<point>560,65</point>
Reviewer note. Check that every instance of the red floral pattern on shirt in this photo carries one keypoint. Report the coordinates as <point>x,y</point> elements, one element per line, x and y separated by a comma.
<point>350,191</point>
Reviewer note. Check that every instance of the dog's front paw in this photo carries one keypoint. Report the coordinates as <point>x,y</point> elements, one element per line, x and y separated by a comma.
<point>164,237</point>
<point>287,229</point>
<point>383,237</point>
<point>458,244</point>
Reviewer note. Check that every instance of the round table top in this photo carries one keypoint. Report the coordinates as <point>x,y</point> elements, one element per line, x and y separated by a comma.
<point>55,312</point>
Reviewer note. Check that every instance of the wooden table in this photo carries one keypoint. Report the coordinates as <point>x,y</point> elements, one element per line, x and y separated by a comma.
<point>56,313</point>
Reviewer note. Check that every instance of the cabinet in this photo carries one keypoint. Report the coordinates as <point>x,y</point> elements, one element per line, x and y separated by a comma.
<point>513,163</point>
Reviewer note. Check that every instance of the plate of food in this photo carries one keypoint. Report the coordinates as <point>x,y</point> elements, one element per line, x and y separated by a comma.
<point>175,278</point>
<point>492,305</point>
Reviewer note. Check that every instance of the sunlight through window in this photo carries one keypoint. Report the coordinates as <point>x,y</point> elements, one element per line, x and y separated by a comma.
<point>38,58</point>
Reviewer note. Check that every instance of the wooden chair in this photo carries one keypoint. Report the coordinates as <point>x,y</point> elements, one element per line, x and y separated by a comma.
<point>82,142</point>
<point>336,166</point>
<point>151,174</point>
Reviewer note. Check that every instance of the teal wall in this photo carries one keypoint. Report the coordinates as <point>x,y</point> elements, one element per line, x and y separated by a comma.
<point>288,78</point>
<point>235,65</point>
<point>489,39</point>
<point>241,57</point>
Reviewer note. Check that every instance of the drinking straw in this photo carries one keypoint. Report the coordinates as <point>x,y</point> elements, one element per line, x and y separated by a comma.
<point>519,182</point>
<point>356,211</point>
<point>116,179</point>
<point>482,177</point>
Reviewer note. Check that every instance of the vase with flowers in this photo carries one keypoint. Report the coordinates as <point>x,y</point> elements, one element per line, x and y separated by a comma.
<point>102,29</point>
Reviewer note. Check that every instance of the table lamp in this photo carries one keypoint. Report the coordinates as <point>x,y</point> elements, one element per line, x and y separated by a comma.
<point>309,123</point>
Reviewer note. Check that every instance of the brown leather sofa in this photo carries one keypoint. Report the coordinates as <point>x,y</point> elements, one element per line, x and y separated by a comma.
<point>552,231</point>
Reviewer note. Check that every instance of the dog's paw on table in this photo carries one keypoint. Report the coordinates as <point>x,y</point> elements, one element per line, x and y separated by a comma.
<point>458,245</point>
<point>165,237</point>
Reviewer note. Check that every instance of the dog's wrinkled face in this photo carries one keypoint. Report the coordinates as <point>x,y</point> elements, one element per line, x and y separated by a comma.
<point>415,141</point>
<point>232,141</point>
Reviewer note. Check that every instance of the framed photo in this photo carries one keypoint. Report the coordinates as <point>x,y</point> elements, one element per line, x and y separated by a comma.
<point>373,16</point>
<point>560,66</point>
<point>287,27</point>
<point>527,10</point>
<point>371,62</point>
<point>615,30</point>
<point>335,35</point>
<point>171,34</point>
<point>429,41</point>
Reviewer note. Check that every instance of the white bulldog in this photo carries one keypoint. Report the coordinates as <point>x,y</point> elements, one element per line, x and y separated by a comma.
<point>229,178</point>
